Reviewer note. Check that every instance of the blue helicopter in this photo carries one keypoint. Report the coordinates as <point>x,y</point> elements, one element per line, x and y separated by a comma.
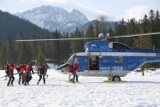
<point>111,59</point>
<point>108,59</point>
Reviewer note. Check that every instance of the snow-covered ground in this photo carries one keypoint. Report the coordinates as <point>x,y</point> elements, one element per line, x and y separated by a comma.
<point>138,91</point>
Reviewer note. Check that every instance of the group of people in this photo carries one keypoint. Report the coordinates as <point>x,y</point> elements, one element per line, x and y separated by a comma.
<point>25,72</point>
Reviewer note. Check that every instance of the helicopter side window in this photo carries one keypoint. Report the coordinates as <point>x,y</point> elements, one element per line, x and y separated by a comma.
<point>93,63</point>
<point>120,47</point>
<point>118,59</point>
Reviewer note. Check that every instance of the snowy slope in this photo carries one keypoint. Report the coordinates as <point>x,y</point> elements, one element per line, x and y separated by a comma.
<point>138,91</point>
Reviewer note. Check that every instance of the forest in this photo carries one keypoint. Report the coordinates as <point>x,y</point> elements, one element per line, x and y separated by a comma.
<point>58,52</point>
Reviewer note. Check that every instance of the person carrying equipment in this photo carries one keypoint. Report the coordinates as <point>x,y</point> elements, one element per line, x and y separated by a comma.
<point>28,75</point>
<point>75,66</point>
<point>70,70</point>
<point>73,69</point>
<point>10,70</point>
<point>42,72</point>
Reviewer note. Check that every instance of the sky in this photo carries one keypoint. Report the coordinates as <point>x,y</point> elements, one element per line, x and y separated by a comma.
<point>112,9</point>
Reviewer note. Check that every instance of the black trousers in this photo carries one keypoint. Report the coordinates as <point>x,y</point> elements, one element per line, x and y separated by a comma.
<point>11,80</point>
<point>40,77</point>
<point>75,76</point>
<point>20,78</point>
<point>28,77</point>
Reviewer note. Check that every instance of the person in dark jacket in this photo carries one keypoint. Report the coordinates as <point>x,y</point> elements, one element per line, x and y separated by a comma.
<point>42,72</point>
<point>28,75</point>
<point>10,70</point>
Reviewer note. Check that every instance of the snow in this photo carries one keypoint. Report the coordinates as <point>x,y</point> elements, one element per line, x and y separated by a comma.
<point>137,91</point>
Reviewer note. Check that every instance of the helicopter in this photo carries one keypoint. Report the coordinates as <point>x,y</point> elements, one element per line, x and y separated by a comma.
<point>108,59</point>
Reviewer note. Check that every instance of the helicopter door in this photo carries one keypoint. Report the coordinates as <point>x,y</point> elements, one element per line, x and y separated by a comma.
<point>93,62</point>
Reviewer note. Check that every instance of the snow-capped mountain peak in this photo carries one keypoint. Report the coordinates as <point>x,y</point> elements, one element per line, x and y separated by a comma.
<point>52,18</point>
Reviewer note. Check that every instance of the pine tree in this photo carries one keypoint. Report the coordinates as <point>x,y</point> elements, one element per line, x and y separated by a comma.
<point>47,46</point>
<point>20,50</point>
<point>40,56</point>
<point>152,20</point>
<point>156,38</point>
<point>143,42</point>
<point>157,21</point>
<point>33,47</point>
<point>56,47</point>
<point>77,45</point>
<point>121,29</point>
<point>3,59</point>
<point>90,31</point>
<point>97,30</point>
<point>10,54</point>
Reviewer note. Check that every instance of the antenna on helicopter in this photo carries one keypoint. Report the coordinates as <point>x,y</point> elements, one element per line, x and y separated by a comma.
<point>107,35</point>
<point>101,36</point>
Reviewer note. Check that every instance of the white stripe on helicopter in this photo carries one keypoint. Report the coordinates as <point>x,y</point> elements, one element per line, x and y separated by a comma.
<point>118,54</point>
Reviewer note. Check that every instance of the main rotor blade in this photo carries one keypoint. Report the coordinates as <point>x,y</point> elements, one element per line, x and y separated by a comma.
<point>59,39</point>
<point>133,35</point>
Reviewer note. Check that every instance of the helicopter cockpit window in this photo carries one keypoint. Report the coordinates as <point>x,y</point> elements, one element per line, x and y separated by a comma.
<point>118,59</point>
<point>120,47</point>
<point>77,60</point>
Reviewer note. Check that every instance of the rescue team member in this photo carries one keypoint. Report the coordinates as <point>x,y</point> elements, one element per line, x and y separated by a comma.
<point>21,71</point>
<point>28,75</point>
<point>73,69</point>
<point>41,73</point>
<point>10,71</point>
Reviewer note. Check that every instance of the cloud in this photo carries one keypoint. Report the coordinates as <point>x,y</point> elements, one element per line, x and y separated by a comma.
<point>136,12</point>
<point>89,9</point>
<point>45,1</point>
<point>91,12</point>
<point>56,1</point>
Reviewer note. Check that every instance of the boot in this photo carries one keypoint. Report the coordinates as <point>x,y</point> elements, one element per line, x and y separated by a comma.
<point>38,83</point>
<point>44,81</point>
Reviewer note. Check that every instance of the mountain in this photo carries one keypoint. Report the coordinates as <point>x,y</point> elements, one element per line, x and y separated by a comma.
<point>11,25</point>
<point>52,18</point>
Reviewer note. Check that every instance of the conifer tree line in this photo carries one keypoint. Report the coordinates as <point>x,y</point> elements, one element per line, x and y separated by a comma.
<point>58,52</point>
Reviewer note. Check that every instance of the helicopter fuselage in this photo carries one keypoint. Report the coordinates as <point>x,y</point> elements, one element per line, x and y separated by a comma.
<point>110,59</point>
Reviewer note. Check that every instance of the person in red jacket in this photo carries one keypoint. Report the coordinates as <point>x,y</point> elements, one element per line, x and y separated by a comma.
<point>28,75</point>
<point>10,69</point>
<point>73,69</point>
<point>21,70</point>
<point>70,70</point>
